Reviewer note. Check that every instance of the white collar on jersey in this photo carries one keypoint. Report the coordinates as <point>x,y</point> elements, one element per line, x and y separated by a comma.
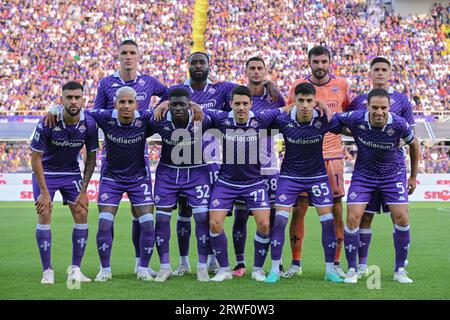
<point>169,118</point>
<point>117,75</point>
<point>115,115</point>
<point>389,120</point>
<point>231,116</point>
<point>188,84</point>
<point>61,115</point>
<point>294,115</point>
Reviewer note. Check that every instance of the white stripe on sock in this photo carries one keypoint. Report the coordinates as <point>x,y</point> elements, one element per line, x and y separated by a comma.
<point>326,217</point>
<point>199,210</point>
<point>80,226</point>
<point>400,228</point>
<point>184,219</point>
<point>365,231</point>
<point>146,217</point>
<point>351,231</point>
<point>282,214</point>
<point>42,227</point>
<point>135,218</point>
<point>106,216</point>
<point>262,240</point>
<point>164,213</point>
<point>214,234</point>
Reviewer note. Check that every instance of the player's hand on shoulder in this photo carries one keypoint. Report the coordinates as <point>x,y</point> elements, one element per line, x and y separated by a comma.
<point>197,110</point>
<point>273,91</point>
<point>324,110</point>
<point>288,108</point>
<point>160,111</point>
<point>50,117</point>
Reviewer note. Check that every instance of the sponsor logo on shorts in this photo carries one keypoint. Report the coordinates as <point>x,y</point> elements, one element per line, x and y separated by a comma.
<point>326,200</point>
<point>204,201</point>
<point>282,197</point>
<point>216,202</point>
<point>402,198</point>
<point>104,196</point>
<point>264,204</point>
<point>157,198</point>
<point>148,198</point>
<point>353,195</point>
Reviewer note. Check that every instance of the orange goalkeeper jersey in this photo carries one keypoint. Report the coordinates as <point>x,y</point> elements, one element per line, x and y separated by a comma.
<point>336,95</point>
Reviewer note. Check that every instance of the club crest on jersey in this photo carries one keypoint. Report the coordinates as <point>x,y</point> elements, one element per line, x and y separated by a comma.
<point>212,90</point>
<point>353,195</point>
<point>157,198</point>
<point>254,123</point>
<point>104,196</point>
<point>216,202</point>
<point>390,132</point>
<point>82,128</point>
<point>115,85</point>
<point>282,197</point>
<point>318,124</point>
<point>335,89</point>
<point>138,123</point>
<point>141,82</point>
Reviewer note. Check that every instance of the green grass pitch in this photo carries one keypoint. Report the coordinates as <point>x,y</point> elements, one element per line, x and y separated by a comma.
<point>20,267</point>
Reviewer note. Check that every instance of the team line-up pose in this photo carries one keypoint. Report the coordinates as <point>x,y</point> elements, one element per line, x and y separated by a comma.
<point>234,131</point>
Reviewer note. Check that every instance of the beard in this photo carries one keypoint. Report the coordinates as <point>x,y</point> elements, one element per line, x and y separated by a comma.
<point>321,75</point>
<point>73,114</point>
<point>199,78</point>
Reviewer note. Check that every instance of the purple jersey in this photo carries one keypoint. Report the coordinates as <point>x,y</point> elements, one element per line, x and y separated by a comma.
<point>377,147</point>
<point>213,96</point>
<point>145,85</point>
<point>62,143</point>
<point>240,148</point>
<point>125,144</point>
<point>303,157</point>
<point>190,136</point>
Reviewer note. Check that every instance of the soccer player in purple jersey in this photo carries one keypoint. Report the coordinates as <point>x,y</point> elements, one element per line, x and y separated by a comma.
<point>181,172</point>
<point>211,96</point>
<point>125,131</point>
<point>303,170</point>
<point>378,134</point>
<point>54,160</point>
<point>240,178</point>
<point>146,87</point>
<point>380,74</point>
<point>255,70</point>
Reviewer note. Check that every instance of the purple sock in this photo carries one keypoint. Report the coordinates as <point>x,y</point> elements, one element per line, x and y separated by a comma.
<point>365,236</point>
<point>44,243</point>
<point>202,233</point>
<point>79,241</point>
<point>104,238</point>
<point>262,243</point>
<point>135,236</point>
<point>240,233</point>
<point>220,248</point>
<point>401,244</point>
<point>162,235</point>
<point>184,234</point>
<point>147,239</point>
<point>328,237</point>
<point>351,243</point>
<point>277,236</point>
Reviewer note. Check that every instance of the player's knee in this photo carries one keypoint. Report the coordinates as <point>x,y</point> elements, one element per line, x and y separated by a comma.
<point>263,227</point>
<point>366,221</point>
<point>352,221</point>
<point>402,220</point>
<point>216,226</point>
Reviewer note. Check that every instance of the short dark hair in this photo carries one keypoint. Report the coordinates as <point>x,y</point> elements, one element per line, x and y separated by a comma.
<point>305,88</point>
<point>128,42</point>
<point>241,91</point>
<point>254,59</point>
<point>379,59</point>
<point>179,92</point>
<point>199,52</point>
<point>317,51</point>
<point>378,92</point>
<point>72,85</point>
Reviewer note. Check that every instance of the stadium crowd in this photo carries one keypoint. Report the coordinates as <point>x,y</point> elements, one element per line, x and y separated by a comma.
<point>45,43</point>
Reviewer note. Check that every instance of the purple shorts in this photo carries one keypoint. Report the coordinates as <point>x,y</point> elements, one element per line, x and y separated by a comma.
<point>318,189</point>
<point>68,185</point>
<point>271,186</point>
<point>225,194</point>
<point>393,191</point>
<point>377,201</point>
<point>110,192</point>
<point>192,183</point>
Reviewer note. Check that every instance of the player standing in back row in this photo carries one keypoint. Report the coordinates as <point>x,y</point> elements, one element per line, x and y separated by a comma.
<point>334,93</point>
